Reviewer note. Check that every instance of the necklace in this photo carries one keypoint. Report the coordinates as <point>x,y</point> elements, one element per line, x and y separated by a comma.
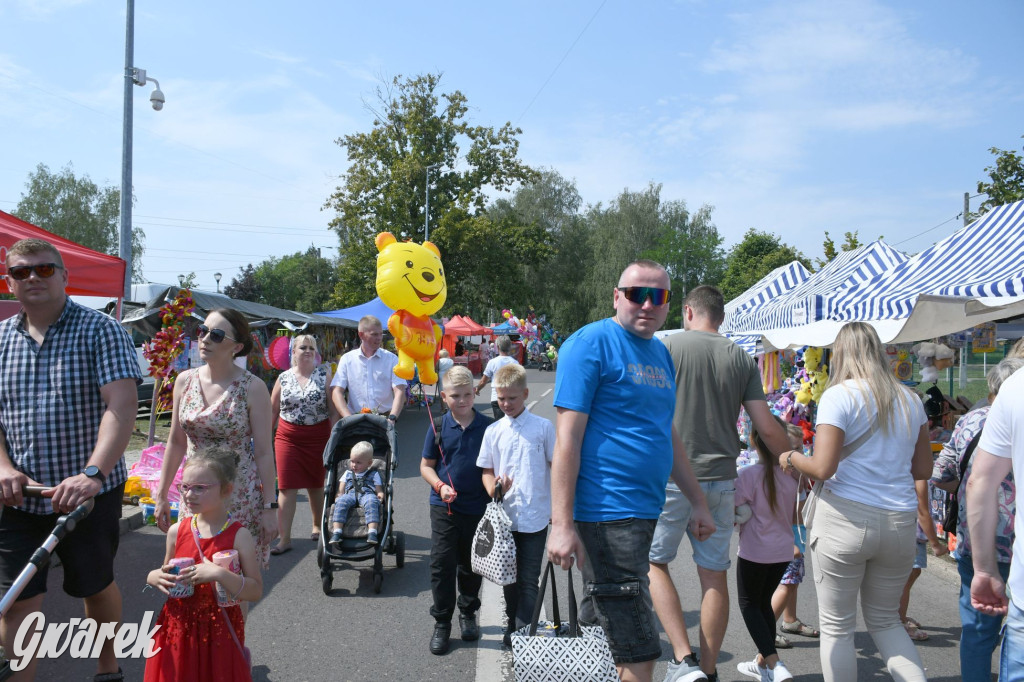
<point>195,527</point>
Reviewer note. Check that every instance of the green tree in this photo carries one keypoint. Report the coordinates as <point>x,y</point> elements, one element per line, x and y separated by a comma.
<point>1006,181</point>
<point>552,281</point>
<point>77,209</point>
<point>303,281</point>
<point>754,257</point>
<point>383,189</point>
<point>690,249</point>
<point>829,247</point>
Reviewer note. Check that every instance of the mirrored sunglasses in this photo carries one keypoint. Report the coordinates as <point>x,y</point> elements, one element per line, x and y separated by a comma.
<point>640,294</point>
<point>215,335</point>
<point>43,271</point>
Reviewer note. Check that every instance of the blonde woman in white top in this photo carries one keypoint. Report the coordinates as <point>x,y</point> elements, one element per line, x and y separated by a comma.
<point>871,444</point>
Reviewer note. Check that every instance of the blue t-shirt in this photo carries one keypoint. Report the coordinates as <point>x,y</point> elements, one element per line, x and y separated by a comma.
<point>626,384</point>
<point>461,447</point>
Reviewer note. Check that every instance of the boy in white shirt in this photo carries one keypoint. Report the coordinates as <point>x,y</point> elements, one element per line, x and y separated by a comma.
<point>516,451</point>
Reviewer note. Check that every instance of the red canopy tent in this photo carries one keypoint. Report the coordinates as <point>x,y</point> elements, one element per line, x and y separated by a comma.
<point>90,273</point>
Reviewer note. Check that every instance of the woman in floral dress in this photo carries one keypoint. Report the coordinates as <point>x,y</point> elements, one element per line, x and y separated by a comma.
<point>303,416</point>
<point>222,404</point>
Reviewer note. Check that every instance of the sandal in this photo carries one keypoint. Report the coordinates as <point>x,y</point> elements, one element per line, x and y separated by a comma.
<point>798,627</point>
<point>315,536</point>
<point>109,677</point>
<point>782,643</point>
<point>912,622</point>
<point>914,632</point>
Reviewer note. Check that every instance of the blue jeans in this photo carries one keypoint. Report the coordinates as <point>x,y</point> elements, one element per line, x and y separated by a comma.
<point>521,596</point>
<point>980,633</point>
<point>1011,659</point>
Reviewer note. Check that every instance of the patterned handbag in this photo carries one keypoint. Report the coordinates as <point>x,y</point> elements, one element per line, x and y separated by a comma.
<point>559,651</point>
<point>493,554</point>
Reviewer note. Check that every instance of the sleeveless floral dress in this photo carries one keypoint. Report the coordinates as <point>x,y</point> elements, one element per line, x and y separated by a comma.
<point>226,423</point>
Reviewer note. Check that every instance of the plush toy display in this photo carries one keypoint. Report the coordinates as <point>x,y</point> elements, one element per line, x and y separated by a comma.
<point>410,281</point>
<point>933,357</point>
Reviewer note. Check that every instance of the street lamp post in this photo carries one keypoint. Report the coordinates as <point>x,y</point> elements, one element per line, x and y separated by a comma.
<point>181,280</point>
<point>426,212</point>
<point>217,277</point>
<point>132,76</point>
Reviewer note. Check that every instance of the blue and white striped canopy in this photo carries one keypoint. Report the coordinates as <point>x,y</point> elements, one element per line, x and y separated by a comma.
<point>776,283</point>
<point>810,300</point>
<point>984,260</point>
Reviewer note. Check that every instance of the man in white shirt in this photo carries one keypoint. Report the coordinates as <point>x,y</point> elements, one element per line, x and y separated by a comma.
<point>366,378</point>
<point>1000,450</point>
<point>493,365</point>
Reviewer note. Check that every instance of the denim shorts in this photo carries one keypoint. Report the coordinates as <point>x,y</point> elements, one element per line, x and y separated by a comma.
<point>616,591</point>
<point>711,554</point>
<point>921,558</point>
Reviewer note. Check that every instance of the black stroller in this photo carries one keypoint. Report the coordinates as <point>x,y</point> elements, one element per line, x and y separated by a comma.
<point>380,432</point>
<point>41,557</point>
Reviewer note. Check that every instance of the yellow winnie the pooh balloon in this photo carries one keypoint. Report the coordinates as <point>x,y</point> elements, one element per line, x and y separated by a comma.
<point>410,281</point>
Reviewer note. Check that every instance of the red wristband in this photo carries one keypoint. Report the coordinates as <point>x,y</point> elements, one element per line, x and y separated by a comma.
<point>438,486</point>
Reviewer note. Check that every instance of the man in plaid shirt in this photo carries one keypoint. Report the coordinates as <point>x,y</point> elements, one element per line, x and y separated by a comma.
<point>67,408</point>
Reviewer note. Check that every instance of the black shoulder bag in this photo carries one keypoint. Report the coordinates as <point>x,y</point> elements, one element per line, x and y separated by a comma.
<point>952,517</point>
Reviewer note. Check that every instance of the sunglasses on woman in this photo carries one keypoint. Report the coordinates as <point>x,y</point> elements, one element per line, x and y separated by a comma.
<point>640,294</point>
<point>215,335</point>
<point>43,271</point>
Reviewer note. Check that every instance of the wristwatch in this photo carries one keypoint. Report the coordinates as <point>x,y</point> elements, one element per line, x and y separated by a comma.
<point>789,459</point>
<point>93,471</point>
<point>393,418</point>
<point>270,505</point>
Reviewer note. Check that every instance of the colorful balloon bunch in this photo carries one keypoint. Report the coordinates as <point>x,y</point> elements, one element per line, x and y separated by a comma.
<point>167,344</point>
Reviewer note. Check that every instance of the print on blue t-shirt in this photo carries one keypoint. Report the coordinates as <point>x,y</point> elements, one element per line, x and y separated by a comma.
<point>626,384</point>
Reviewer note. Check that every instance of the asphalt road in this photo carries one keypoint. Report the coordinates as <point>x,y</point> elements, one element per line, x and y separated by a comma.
<point>297,633</point>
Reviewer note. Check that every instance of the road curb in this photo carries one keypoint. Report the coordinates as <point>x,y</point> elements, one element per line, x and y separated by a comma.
<point>131,518</point>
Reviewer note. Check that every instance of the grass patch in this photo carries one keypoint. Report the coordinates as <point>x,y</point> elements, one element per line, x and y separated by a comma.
<point>140,437</point>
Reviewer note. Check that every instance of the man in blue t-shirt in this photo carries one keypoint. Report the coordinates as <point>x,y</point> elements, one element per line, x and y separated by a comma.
<point>615,450</point>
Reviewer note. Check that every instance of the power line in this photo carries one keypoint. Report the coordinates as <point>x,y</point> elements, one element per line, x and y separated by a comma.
<point>564,56</point>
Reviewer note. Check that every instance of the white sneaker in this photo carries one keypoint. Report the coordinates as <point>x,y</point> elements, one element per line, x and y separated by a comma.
<point>687,671</point>
<point>780,673</point>
<point>752,669</point>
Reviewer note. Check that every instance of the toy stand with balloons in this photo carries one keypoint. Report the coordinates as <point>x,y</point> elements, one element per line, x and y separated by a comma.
<point>538,336</point>
<point>163,351</point>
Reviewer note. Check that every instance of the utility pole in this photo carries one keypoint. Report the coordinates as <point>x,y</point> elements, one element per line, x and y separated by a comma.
<point>426,211</point>
<point>967,206</point>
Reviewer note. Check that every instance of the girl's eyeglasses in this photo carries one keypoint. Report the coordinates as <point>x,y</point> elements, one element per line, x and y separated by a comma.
<point>216,335</point>
<point>43,270</point>
<point>198,488</point>
<point>639,294</point>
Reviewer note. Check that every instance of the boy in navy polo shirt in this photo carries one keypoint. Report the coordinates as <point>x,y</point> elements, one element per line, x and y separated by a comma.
<point>457,502</point>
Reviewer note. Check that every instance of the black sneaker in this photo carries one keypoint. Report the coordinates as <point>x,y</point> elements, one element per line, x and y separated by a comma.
<point>439,641</point>
<point>470,630</point>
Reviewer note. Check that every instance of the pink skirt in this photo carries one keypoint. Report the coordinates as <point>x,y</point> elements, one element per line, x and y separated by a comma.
<point>299,454</point>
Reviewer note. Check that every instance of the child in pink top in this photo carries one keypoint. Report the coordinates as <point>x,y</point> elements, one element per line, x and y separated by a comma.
<point>765,550</point>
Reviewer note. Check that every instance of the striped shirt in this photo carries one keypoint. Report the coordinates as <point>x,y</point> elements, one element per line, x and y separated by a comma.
<point>50,402</point>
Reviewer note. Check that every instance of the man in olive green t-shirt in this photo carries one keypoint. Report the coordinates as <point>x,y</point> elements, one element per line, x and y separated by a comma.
<point>714,378</point>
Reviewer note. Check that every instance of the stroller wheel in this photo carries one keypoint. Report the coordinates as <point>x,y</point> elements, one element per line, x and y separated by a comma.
<point>399,549</point>
<point>326,579</point>
<point>378,580</point>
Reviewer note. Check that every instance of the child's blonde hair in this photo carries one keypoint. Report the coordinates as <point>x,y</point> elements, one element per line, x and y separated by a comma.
<point>218,459</point>
<point>511,375</point>
<point>458,376</point>
<point>361,449</point>
<point>769,460</point>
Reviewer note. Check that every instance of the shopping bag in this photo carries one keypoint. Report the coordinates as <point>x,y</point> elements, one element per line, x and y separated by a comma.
<point>561,651</point>
<point>493,554</point>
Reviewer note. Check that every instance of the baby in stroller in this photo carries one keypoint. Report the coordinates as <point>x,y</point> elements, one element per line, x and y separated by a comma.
<point>359,485</point>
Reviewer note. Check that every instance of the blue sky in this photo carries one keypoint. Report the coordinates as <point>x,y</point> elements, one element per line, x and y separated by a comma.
<point>790,117</point>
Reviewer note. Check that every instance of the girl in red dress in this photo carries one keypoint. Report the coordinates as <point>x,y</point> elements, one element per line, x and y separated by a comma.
<point>200,640</point>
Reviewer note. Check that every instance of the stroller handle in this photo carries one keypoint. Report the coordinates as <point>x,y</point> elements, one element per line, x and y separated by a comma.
<point>74,516</point>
